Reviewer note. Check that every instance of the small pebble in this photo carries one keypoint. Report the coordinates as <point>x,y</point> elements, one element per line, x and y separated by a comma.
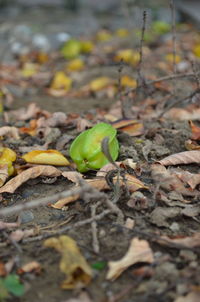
<point>174,227</point>
<point>26,216</point>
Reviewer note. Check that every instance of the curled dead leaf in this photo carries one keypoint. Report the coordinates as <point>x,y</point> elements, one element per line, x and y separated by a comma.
<point>170,181</point>
<point>139,251</point>
<point>186,157</point>
<point>11,131</point>
<point>73,176</point>
<point>32,266</point>
<point>183,114</point>
<point>195,131</point>
<point>132,127</point>
<point>30,173</point>
<point>72,263</point>
<point>189,241</point>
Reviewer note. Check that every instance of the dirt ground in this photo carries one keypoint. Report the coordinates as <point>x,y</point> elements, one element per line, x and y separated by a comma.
<point>162,209</point>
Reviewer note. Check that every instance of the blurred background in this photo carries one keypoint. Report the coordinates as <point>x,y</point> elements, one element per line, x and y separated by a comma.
<point>45,24</point>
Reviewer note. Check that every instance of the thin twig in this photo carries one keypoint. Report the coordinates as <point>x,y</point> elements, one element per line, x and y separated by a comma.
<point>162,79</point>
<point>12,241</point>
<point>95,241</point>
<point>69,227</point>
<point>141,79</point>
<point>106,151</point>
<point>189,97</point>
<point>172,8</point>
<point>39,202</point>
<point>196,75</point>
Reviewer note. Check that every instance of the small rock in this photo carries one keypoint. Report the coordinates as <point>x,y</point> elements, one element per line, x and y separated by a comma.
<point>26,216</point>
<point>41,42</point>
<point>174,227</point>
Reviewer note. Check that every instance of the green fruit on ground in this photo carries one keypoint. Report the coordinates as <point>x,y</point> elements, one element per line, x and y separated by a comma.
<point>71,49</point>
<point>86,152</point>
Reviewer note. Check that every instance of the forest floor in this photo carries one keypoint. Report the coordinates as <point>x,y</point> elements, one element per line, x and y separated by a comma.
<point>149,219</point>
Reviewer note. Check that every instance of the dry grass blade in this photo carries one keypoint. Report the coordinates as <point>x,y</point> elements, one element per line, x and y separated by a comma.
<point>186,157</point>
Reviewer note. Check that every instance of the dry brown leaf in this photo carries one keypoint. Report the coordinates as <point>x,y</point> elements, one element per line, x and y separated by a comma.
<point>191,145</point>
<point>195,131</point>
<point>27,113</point>
<point>64,201</point>
<point>32,266</point>
<point>191,297</point>
<point>190,178</point>
<point>169,181</point>
<point>190,241</point>
<point>3,174</point>
<point>186,157</point>
<point>129,223</point>
<point>128,162</point>
<point>132,127</point>
<point>105,169</point>
<point>73,176</point>
<point>18,235</point>
<point>30,173</point>
<point>72,263</point>
<point>160,215</point>
<point>133,184</point>
<point>183,114</point>
<point>11,131</point>
<point>139,251</point>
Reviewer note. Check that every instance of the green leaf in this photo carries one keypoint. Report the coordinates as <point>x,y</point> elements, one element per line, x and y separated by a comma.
<point>13,285</point>
<point>86,152</point>
<point>99,265</point>
<point>3,291</point>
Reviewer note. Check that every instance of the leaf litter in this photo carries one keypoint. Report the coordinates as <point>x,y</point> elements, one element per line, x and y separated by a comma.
<point>144,205</point>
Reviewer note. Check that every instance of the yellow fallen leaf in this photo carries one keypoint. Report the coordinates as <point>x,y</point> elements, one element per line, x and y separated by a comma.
<point>170,58</point>
<point>139,251</point>
<point>122,32</point>
<point>72,263</point>
<point>61,81</point>
<point>7,156</point>
<point>196,50</point>
<point>30,173</point>
<point>127,81</point>
<point>99,83</point>
<point>49,157</point>
<point>87,46</point>
<point>103,35</point>
<point>75,65</point>
<point>128,56</point>
<point>29,69</point>
<point>42,57</point>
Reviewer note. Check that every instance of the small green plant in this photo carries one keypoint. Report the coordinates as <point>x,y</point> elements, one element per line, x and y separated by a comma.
<point>10,285</point>
<point>86,151</point>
